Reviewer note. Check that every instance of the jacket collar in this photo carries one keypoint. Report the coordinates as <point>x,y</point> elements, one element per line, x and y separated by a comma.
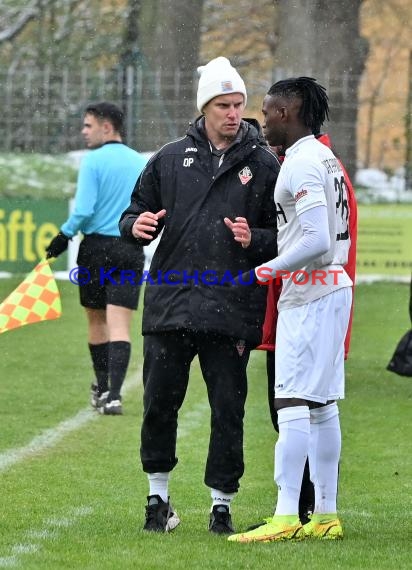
<point>249,130</point>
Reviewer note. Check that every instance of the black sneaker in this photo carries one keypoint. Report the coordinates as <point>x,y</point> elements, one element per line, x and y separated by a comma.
<point>221,520</point>
<point>112,408</point>
<point>305,514</point>
<point>97,398</point>
<point>160,516</point>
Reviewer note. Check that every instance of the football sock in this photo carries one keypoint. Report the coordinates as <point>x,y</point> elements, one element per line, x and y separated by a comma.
<point>220,498</point>
<point>158,485</point>
<point>307,494</point>
<point>291,451</point>
<point>324,454</point>
<point>119,356</point>
<point>100,360</point>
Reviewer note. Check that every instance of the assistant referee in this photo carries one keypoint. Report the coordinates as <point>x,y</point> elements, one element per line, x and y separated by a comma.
<point>106,179</point>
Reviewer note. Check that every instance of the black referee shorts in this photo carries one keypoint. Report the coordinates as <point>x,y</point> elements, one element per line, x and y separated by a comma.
<point>115,266</point>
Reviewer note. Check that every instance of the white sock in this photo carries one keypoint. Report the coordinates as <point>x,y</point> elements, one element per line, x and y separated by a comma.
<point>220,498</point>
<point>324,455</point>
<point>291,451</point>
<point>159,485</point>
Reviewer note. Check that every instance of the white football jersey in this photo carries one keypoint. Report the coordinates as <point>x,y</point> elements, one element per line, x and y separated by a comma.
<point>311,176</point>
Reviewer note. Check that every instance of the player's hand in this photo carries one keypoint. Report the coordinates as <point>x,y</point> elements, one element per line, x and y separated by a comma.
<point>146,224</point>
<point>57,245</point>
<point>240,229</point>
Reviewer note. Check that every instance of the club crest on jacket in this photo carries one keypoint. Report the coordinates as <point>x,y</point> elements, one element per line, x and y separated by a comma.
<point>240,346</point>
<point>245,175</point>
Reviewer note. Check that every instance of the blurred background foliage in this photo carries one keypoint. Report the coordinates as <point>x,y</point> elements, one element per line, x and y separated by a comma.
<point>56,55</point>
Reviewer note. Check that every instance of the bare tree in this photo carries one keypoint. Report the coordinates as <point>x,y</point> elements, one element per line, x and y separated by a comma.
<point>57,54</point>
<point>45,31</point>
<point>18,21</point>
<point>129,61</point>
<point>321,38</point>
<point>249,41</point>
<point>170,40</point>
<point>375,98</point>
<point>384,87</point>
<point>408,131</point>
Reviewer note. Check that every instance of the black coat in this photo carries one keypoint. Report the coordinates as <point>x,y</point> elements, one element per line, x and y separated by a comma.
<point>179,178</point>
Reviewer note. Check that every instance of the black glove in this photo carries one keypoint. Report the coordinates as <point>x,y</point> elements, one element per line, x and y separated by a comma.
<point>250,278</point>
<point>239,279</point>
<point>247,278</point>
<point>57,245</point>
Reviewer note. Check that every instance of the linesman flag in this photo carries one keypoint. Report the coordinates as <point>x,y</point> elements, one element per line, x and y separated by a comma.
<point>36,299</point>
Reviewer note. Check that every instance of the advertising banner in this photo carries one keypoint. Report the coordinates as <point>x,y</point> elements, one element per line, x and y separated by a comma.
<point>384,240</point>
<point>26,228</point>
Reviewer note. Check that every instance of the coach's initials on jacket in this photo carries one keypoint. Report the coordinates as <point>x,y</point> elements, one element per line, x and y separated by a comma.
<point>188,162</point>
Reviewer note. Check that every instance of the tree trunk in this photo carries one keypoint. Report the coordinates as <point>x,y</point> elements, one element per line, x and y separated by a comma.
<point>321,39</point>
<point>129,62</point>
<point>170,40</point>
<point>408,134</point>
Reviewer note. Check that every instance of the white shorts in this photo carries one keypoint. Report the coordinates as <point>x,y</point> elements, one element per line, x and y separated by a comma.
<point>309,356</point>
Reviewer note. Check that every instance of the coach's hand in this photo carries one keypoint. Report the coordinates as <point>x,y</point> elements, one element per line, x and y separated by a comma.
<point>240,229</point>
<point>146,224</point>
<point>57,245</point>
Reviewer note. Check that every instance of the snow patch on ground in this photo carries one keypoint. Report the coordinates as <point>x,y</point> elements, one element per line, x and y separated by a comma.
<point>373,185</point>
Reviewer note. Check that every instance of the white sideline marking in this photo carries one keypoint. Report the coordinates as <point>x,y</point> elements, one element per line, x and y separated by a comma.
<point>24,548</point>
<point>7,561</point>
<point>50,529</point>
<point>47,439</point>
<point>50,437</point>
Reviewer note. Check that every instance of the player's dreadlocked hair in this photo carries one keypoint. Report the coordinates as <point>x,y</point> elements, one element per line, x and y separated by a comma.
<point>315,106</point>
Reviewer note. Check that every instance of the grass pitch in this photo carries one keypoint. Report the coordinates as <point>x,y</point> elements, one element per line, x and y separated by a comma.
<point>73,492</point>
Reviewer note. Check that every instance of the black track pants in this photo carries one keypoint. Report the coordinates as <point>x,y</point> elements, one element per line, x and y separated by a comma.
<point>223,361</point>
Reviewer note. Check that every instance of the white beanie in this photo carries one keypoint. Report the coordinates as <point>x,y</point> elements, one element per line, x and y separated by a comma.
<point>218,77</point>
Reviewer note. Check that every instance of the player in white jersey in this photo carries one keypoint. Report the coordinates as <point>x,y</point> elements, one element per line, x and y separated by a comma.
<point>311,176</point>
<point>314,309</point>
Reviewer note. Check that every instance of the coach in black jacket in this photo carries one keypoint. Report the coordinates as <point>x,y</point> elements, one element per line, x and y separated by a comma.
<point>211,193</point>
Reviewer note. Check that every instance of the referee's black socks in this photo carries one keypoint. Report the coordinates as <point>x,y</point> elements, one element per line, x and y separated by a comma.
<point>100,359</point>
<point>119,356</point>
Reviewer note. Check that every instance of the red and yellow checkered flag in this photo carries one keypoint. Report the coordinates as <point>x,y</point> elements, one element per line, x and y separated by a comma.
<point>36,299</point>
